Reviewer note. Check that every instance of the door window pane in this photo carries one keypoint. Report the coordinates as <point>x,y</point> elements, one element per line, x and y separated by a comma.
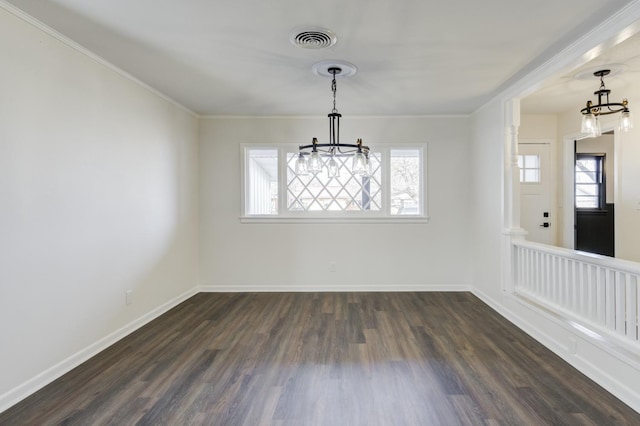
<point>529,168</point>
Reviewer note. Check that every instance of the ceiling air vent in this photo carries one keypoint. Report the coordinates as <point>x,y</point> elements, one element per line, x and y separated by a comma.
<point>312,38</point>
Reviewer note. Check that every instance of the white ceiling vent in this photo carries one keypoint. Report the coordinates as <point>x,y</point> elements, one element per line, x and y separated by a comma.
<point>312,38</point>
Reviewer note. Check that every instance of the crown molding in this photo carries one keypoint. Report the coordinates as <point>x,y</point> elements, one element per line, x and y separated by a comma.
<point>20,14</point>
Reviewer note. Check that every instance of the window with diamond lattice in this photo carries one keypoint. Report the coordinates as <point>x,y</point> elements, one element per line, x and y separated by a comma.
<point>394,189</point>
<point>344,192</point>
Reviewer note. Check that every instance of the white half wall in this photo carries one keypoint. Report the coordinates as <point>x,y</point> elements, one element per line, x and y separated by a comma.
<point>247,256</point>
<point>99,187</point>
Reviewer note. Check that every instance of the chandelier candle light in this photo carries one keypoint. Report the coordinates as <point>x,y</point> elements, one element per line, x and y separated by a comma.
<point>590,121</point>
<point>316,151</point>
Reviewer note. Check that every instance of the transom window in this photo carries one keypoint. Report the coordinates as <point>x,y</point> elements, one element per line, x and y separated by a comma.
<point>393,188</point>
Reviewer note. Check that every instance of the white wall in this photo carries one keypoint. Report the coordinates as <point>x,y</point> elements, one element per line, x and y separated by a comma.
<point>239,256</point>
<point>486,184</point>
<point>538,126</point>
<point>98,184</point>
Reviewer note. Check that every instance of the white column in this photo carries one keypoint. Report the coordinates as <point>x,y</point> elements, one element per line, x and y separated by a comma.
<point>511,205</point>
<point>511,169</point>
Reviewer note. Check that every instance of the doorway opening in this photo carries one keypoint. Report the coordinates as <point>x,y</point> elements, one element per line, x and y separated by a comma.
<point>594,215</point>
<point>537,191</point>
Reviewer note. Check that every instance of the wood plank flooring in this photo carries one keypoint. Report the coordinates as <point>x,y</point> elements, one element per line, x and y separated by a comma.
<point>325,359</point>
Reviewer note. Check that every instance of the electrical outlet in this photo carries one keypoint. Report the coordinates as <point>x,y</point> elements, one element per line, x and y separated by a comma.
<point>128,296</point>
<point>332,266</point>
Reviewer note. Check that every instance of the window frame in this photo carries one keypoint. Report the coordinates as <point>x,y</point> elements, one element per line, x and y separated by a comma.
<point>382,216</point>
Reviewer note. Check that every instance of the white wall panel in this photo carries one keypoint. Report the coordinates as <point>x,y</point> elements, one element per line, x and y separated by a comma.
<point>98,196</point>
<point>487,201</point>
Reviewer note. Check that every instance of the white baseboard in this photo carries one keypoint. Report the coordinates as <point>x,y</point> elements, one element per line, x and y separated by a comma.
<point>620,390</point>
<point>216,288</point>
<point>29,387</point>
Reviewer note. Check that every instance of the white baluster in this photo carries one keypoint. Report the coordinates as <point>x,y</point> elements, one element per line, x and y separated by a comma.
<point>601,296</point>
<point>631,314</point>
<point>620,305</point>
<point>611,299</point>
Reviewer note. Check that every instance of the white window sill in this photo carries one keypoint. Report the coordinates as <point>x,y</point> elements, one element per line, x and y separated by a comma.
<point>339,220</point>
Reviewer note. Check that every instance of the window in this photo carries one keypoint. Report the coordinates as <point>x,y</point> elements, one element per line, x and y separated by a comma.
<point>405,173</point>
<point>589,181</point>
<point>394,187</point>
<point>345,192</point>
<point>262,181</point>
<point>529,168</point>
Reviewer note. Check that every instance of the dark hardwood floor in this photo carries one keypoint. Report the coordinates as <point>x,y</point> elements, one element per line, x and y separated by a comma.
<point>325,359</point>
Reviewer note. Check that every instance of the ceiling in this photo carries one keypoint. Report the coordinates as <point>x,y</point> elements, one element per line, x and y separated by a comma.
<point>414,57</point>
<point>571,90</point>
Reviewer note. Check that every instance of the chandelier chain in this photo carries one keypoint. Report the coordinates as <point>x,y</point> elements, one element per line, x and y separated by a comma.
<point>334,88</point>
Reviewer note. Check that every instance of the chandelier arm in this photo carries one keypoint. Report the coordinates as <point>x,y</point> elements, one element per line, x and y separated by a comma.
<point>328,145</point>
<point>346,145</point>
<point>587,110</point>
<point>598,109</point>
<point>612,111</point>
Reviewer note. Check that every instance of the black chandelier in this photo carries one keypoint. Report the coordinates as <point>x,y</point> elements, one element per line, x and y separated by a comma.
<point>316,151</point>
<point>590,113</point>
